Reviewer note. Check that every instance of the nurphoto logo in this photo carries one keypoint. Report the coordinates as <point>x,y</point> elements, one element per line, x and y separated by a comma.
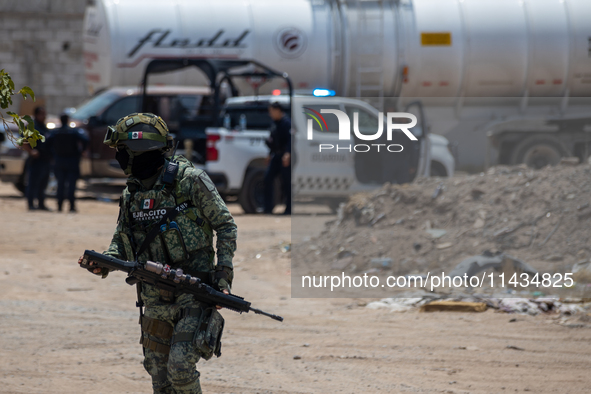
<point>392,119</point>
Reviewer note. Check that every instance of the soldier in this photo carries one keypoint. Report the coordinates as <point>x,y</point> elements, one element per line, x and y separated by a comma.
<point>279,159</point>
<point>38,165</point>
<point>154,225</point>
<point>67,144</point>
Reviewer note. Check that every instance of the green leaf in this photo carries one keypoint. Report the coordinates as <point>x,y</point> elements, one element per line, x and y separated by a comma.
<point>28,119</point>
<point>14,115</point>
<point>26,90</point>
<point>32,142</point>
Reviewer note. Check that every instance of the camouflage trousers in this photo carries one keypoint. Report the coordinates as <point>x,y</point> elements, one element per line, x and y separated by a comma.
<point>173,372</point>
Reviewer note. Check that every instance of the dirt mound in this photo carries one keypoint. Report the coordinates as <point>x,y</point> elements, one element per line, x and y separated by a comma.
<point>541,217</point>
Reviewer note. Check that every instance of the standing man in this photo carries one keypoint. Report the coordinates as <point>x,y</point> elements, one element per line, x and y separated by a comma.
<point>38,165</point>
<point>67,144</point>
<point>168,213</point>
<point>279,160</point>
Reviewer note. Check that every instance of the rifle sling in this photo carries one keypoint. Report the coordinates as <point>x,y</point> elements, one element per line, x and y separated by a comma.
<point>152,234</point>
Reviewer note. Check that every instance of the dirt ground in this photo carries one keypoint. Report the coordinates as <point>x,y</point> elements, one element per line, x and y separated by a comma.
<point>63,330</point>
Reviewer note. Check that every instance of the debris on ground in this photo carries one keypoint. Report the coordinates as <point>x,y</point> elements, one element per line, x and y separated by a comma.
<point>512,347</point>
<point>500,262</point>
<point>473,303</point>
<point>537,218</point>
<point>454,306</point>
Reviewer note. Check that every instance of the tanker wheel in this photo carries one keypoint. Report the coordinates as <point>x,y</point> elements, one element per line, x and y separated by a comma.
<point>539,151</point>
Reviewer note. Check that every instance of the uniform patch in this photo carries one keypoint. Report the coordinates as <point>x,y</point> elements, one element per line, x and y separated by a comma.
<point>207,181</point>
<point>135,135</point>
<point>152,214</point>
<point>148,203</point>
<point>129,122</point>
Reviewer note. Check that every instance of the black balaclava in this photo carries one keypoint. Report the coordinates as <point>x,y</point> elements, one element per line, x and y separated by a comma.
<point>143,165</point>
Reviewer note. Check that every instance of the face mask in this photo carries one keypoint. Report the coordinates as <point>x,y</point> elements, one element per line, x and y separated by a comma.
<point>122,157</point>
<point>147,164</point>
<point>143,165</point>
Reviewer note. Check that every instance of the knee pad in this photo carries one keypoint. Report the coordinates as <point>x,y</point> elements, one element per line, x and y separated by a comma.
<point>186,385</point>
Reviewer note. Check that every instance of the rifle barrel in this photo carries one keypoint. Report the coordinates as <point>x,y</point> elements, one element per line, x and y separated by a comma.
<point>272,316</point>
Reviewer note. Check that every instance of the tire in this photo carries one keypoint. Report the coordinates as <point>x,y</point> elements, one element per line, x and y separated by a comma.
<point>539,151</point>
<point>437,169</point>
<point>23,181</point>
<point>251,197</point>
<point>21,186</point>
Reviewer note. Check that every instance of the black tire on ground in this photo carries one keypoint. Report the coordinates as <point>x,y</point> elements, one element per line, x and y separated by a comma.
<point>437,169</point>
<point>20,185</point>
<point>539,151</point>
<point>23,181</point>
<point>251,195</point>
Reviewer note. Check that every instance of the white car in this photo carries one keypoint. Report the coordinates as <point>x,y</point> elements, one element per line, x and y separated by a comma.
<point>236,153</point>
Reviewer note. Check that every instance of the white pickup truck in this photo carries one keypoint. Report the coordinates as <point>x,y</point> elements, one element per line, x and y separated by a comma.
<point>236,153</point>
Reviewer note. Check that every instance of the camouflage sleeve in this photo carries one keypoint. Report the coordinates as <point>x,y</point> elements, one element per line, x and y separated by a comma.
<point>116,248</point>
<point>206,197</point>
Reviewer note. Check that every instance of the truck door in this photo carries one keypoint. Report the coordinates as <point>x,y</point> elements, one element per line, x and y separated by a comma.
<point>319,169</point>
<point>419,154</point>
<point>378,161</point>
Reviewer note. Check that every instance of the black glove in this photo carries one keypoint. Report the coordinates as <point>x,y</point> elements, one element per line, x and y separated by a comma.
<point>222,278</point>
<point>104,271</point>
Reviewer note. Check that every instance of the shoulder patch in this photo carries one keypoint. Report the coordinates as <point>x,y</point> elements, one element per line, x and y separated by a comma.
<point>206,181</point>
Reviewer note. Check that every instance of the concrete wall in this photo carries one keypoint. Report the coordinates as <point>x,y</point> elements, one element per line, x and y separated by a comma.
<point>41,47</point>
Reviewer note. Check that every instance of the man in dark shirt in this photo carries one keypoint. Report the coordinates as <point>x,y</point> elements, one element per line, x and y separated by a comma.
<point>279,160</point>
<point>38,165</point>
<point>67,144</point>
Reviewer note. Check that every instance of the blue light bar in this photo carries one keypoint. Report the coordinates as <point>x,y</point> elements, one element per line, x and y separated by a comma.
<point>323,92</point>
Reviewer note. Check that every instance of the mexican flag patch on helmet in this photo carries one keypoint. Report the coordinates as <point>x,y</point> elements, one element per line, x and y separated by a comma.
<point>148,203</point>
<point>135,135</point>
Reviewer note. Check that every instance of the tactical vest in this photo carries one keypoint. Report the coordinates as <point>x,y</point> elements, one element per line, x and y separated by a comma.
<point>184,241</point>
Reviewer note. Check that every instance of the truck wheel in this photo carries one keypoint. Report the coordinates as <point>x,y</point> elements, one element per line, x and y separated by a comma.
<point>23,180</point>
<point>539,151</point>
<point>251,195</point>
<point>50,190</point>
<point>21,186</point>
<point>437,169</point>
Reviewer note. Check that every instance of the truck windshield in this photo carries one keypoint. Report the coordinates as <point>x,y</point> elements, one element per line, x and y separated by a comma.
<point>94,105</point>
<point>257,116</point>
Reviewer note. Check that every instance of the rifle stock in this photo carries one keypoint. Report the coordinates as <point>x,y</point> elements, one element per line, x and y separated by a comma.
<point>166,278</point>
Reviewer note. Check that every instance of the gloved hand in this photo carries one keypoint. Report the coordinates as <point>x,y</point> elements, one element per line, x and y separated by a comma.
<point>103,272</point>
<point>222,278</point>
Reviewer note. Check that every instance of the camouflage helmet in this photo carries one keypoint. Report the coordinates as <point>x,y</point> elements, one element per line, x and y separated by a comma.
<point>139,132</point>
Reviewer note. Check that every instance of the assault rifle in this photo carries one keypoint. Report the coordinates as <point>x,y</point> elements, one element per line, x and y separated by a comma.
<point>169,279</point>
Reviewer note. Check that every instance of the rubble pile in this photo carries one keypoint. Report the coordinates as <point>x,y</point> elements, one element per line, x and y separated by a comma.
<point>539,216</point>
<point>525,306</point>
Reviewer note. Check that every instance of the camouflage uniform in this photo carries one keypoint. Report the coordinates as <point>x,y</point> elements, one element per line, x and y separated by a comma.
<point>171,323</point>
